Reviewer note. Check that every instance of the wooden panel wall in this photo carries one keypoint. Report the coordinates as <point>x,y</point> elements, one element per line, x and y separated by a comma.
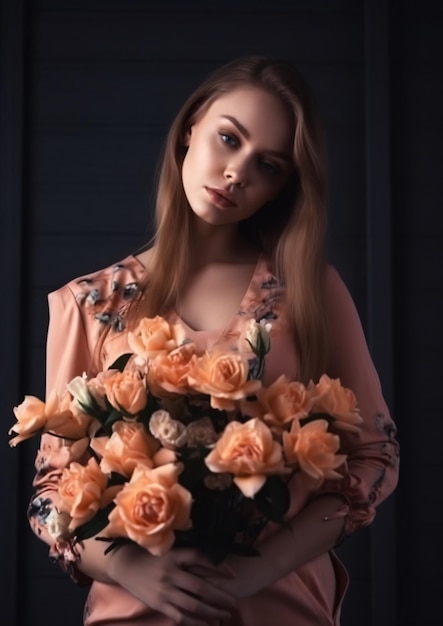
<point>88,89</point>
<point>417,103</point>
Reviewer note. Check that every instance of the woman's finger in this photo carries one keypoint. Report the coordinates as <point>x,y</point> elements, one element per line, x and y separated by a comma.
<point>197,608</point>
<point>204,590</point>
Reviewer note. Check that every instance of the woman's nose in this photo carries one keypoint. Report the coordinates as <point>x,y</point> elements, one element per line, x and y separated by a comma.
<point>236,173</point>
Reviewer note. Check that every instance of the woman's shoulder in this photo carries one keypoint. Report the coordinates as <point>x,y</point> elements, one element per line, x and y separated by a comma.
<point>103,294</point>
<point>337,290</point>
<point>120,278</point>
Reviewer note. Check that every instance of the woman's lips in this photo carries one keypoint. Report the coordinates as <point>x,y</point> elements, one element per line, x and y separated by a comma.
<point>220,197</point>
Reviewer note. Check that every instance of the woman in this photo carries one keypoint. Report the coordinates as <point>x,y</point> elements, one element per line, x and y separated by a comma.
<point>240,234</point>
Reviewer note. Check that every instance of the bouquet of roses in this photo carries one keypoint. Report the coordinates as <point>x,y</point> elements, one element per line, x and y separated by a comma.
<point>172,447</point>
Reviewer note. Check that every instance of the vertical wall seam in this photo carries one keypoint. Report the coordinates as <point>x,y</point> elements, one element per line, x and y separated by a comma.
<point>379,278</point>
<point>12,42</point>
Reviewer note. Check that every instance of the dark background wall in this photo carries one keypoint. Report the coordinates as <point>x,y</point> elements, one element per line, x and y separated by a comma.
<point>87,90</point>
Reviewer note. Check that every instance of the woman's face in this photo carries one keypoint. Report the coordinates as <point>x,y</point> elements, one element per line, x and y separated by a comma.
<point>239,155</point>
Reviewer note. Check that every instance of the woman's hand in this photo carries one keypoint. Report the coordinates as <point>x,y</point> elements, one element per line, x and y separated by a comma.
<point>247,575</point>
<point>167,584</point>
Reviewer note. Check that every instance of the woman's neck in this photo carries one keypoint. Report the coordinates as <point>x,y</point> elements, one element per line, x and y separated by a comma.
<point>219,244</point>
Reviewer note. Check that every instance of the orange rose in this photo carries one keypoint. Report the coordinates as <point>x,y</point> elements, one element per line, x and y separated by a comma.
<point>169,372</point>
<point>96,386</point>
<point>126,391</point>
<point>249,452</point>
<point>164,456</point>
<point>313,449</point>
<point>82,489</point>
<point>128,446</point>
<point>201,433</point>
<point>154,336</point>
<point>330,397</point>
<point>284,400</point>
<point>223,376</point>
<point>31,418</point>
<point>61,420</point>
<point>53,416</point>
<point>150,507</point>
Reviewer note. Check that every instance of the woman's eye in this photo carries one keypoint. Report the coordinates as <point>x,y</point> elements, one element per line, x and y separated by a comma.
<point>228,139</point>
<point>269,167</point>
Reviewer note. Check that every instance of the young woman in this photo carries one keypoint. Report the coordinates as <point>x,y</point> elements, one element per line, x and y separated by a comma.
<point>240,234</point>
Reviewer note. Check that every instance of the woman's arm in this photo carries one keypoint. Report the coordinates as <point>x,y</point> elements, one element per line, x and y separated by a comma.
<point>68,354</point>
<point>164,583</point>
<point>370,473</point>
<point>312,532</point>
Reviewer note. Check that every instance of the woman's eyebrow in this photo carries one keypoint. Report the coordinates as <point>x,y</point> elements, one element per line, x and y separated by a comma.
<point>239,126</point>
<point>246,135</point>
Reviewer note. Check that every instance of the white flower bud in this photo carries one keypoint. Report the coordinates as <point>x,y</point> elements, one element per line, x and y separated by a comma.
<point>78,388</point>
<point>258,335</point>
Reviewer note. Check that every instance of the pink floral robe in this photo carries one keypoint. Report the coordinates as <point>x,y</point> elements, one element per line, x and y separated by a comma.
<point>86,334</point>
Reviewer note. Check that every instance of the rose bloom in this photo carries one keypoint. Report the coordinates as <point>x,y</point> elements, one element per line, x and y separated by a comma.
<point>171,433</point>
<point>128,446</point>
<point>97,386</point>
<point>154,336</point>
<point>126,391</point>
<point>169,372</point>
<point>283,401</point>
<point>218,482</point>
<point>53,416</point>
<point>249,452</point>
<point>313,449</point>
<point>70,425</point>
<point>201,432</point>
<point>31,417</point>
<point>83,490</point>
<point>150,507</point>
<point>329,396</point>
<point>224,377</point>
<point>164,456</point>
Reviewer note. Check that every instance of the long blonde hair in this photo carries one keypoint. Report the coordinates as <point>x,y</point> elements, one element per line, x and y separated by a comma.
<point>291,230</point>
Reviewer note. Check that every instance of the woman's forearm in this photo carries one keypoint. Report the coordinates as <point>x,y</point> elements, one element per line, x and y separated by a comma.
<point>312,532</point>
<point>96,564</point>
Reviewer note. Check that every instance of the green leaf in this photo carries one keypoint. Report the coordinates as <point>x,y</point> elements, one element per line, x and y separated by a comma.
<point>114,542</point>
<point>113,417</point>
<point>250,345</point>
<point>117,479</point>
<point>120,363</point>
<point>93,409</point>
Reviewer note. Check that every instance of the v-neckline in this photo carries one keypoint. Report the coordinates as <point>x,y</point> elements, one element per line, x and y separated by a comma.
<point>218,332</point>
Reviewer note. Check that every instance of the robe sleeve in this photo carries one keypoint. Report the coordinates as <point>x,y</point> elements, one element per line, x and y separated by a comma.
<point>68,354</point>
<point>82,313</point>
<point>370,473</point>
<point>67,351</point>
